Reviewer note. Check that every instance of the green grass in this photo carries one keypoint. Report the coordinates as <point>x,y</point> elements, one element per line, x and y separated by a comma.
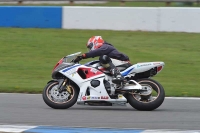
<point>126,4</point>
<point>27,56</point>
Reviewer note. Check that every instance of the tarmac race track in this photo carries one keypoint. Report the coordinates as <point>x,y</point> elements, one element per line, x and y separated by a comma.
<point>30,109</point>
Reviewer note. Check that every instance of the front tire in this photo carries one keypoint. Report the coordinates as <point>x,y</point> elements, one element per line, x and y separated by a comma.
<point>147,102</point>
<point>56,100</point>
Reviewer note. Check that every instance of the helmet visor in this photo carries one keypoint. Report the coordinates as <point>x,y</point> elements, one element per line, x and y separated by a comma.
<point>90,46</point>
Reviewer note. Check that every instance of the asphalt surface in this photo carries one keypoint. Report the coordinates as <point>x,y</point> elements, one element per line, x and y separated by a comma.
<point>30,109</point>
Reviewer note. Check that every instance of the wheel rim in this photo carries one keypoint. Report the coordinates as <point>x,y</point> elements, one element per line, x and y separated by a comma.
<point>152,93</point>
<point>60,98</point>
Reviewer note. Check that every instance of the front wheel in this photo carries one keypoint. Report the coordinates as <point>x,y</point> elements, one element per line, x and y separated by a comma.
<point>59,100</point>
<point>147,100</point>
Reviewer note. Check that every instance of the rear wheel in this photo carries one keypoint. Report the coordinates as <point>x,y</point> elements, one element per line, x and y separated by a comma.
<point>60,100</point>
<point>147,100</point>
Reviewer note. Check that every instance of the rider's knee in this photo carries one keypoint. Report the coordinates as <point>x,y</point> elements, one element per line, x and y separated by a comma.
<point>104,59</point>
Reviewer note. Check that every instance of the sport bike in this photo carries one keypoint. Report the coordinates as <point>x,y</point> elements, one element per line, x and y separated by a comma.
<point>90,84</point>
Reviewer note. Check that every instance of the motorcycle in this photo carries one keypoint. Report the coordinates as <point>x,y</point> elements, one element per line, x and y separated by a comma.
<point>90,84</point>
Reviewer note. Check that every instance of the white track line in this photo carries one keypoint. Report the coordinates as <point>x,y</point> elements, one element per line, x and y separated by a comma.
<point>21,128</point>
<point>14,128</point>
<point>185,98</point>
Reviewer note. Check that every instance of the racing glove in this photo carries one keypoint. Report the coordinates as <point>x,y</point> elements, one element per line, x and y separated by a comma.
<point>78,58</point>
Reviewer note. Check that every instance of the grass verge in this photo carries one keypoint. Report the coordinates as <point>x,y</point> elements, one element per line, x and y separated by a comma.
<point>27,56</point>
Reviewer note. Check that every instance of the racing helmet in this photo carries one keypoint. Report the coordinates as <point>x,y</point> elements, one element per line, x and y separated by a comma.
<point>94,42</point>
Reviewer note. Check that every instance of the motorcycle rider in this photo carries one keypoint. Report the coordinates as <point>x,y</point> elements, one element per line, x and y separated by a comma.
<point>98,47</point>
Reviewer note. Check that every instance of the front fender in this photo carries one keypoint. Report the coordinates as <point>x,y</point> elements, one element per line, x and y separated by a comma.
<point>60,82</point>
<point>53,80</point>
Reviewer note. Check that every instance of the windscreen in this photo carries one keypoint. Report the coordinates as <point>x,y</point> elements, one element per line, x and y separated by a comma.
<point>69,58</point>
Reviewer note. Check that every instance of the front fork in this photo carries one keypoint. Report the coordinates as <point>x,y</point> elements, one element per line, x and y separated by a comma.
<point>61,84</point>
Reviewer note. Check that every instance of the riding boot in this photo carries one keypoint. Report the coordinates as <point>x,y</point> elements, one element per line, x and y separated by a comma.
<point>117,79</point>
<point>108,65</point>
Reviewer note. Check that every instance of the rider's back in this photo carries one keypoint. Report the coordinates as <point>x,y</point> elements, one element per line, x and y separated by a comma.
<point>109,50</point>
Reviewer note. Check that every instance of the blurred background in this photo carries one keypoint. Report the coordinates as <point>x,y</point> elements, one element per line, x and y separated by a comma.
<point>33,40</point>
<point>145,3</point>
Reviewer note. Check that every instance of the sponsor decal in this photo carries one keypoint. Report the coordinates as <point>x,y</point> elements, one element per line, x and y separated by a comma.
<point>84,98</point>
<point>95,97</point>
<point>104,97</point>
<point>73,74</point>
<point>148,64</point>
<point>156,63</point>
<point>88,97</point>
<point>71,71</point>
<point>120,96</point>
<point>127,72</point>
<point>124,61</point>
<point>93,70</point>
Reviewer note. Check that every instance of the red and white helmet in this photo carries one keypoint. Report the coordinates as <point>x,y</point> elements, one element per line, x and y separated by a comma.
<point>94,42</point>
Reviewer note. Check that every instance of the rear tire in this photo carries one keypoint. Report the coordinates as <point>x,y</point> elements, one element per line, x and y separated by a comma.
<point>57,100</point>
<point>145,105</point>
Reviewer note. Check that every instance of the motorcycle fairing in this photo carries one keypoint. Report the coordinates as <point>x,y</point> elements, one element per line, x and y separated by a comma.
<point>76,72</point>
<point>133,69</point>
<point>97,93</point>
<point>87,73</point>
